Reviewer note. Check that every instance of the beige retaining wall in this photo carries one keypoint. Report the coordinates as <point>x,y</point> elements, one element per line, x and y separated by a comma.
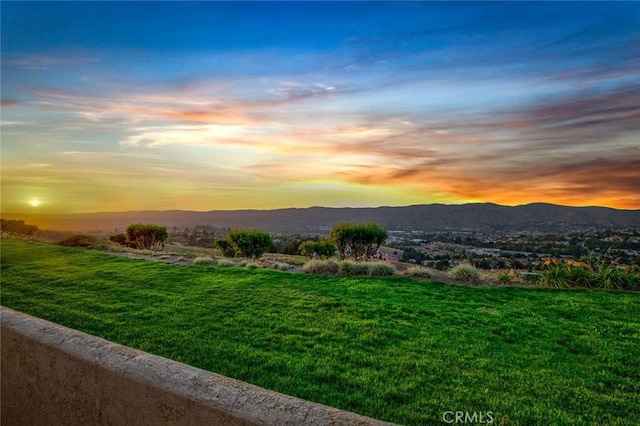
<point>53,375</point>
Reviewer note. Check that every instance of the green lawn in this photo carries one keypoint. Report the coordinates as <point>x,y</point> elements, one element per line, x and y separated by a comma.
<point>390,348</point>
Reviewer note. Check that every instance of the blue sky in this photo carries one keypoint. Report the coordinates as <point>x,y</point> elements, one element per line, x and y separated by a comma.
<point>111,106</point>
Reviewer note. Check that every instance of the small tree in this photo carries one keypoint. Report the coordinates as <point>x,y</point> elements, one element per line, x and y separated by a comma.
<point>342,235</point>
<point>226,248</point>
<point>322,248</point>
<point>147,236</point>
<point>250,243</point>
<point>325,248</point>
<point>120,239</point>
<point>359,240</point>
<point>308,248</point>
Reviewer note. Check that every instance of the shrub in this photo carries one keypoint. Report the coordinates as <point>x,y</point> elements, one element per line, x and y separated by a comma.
<point>604,276</point>
<point>320,267</point>
<point>579,276</point>
<point>225,263</point>
<point>381,269</point>
<point>296,261</point>
<point>204,260</point>
<point>307,248</point>
<point>226,248</point>
<point>633,282</point>
<point>555,276</point>
<point>89,241</point>
<point>147,236</point>
<point>17,227</point>
<point>323,249</point>
<point>633,278</point>
<point>281,266</point>
<point>505,277</point>
<point>418,272</point>
<point>611,277</point>
<point>464,274</point>
<point>79,241</point>
<point>120,239</point>
<point>360,240</point>
<point>354,268</point>
<point>250,243</point>
<point>253,265</point>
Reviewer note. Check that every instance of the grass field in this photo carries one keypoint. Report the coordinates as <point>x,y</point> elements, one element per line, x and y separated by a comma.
<point>391,348</point>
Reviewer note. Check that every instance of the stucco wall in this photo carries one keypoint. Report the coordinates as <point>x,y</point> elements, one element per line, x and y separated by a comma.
<point>53,375</point>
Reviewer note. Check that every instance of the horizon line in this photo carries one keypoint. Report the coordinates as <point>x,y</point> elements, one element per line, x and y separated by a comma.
<point>34,213</point>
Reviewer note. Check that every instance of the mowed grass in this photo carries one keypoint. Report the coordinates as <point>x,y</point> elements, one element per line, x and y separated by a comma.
<point>391,348</point>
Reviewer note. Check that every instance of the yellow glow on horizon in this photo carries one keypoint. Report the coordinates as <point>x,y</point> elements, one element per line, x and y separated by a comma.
<point>237,178</point>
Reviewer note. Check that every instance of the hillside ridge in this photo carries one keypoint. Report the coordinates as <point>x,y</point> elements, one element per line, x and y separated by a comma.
<point>534,217</point>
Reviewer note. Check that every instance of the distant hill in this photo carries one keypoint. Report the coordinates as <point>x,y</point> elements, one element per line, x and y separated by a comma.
<point>537,217</point>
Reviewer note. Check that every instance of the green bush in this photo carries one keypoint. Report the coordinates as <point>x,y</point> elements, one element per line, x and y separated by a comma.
<point>120,239</point>
<point>226,248</point>
<point>204,260</point>
<point>606,276</point>
<point>633,282</point>
<point>360,240</point>
<point>611,277</point>
<point>579,276</point>
<point>296,261</point>
<point>320,267</point>
<point>505,277</point>
<point>418,272</point>
<point>281,266</point>
<point>464,274</point>
<point>89,241</point>
<point>147,236</point>
<point>555,276</point>
<point>226,263</point>
<point>17,227</point>
<point>323,249</point>
<point>250,243</point>
<point>381,269</point>
<point>79,241</point>
<point>353,268</point>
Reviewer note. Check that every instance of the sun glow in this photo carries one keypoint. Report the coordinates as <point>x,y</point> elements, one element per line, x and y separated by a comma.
<point>34,202</point>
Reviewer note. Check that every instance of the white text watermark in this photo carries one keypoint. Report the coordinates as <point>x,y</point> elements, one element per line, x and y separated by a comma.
<point>468,417</point>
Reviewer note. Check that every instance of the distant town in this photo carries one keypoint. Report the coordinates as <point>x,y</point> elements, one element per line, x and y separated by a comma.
<point>485,250</point>
<point>523,251</point>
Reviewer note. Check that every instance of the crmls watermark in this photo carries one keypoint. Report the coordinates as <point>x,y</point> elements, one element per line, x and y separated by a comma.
<point>465,417</point>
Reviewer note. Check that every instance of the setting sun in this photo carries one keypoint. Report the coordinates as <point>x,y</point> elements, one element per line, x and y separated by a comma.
<point>34,202</point>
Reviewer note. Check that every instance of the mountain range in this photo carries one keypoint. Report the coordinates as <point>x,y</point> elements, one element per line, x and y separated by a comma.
<point>537,217</point>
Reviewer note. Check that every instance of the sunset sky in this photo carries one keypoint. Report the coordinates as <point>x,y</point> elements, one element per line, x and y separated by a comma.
<point>115,106</point>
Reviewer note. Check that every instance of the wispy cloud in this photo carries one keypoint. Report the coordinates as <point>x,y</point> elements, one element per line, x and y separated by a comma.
<point>184,135</point>
<point>509,102</point>
<point>5,103</point>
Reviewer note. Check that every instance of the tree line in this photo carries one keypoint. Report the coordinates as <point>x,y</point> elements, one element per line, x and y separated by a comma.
<point>17,227</point>
<point>358,241</point>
